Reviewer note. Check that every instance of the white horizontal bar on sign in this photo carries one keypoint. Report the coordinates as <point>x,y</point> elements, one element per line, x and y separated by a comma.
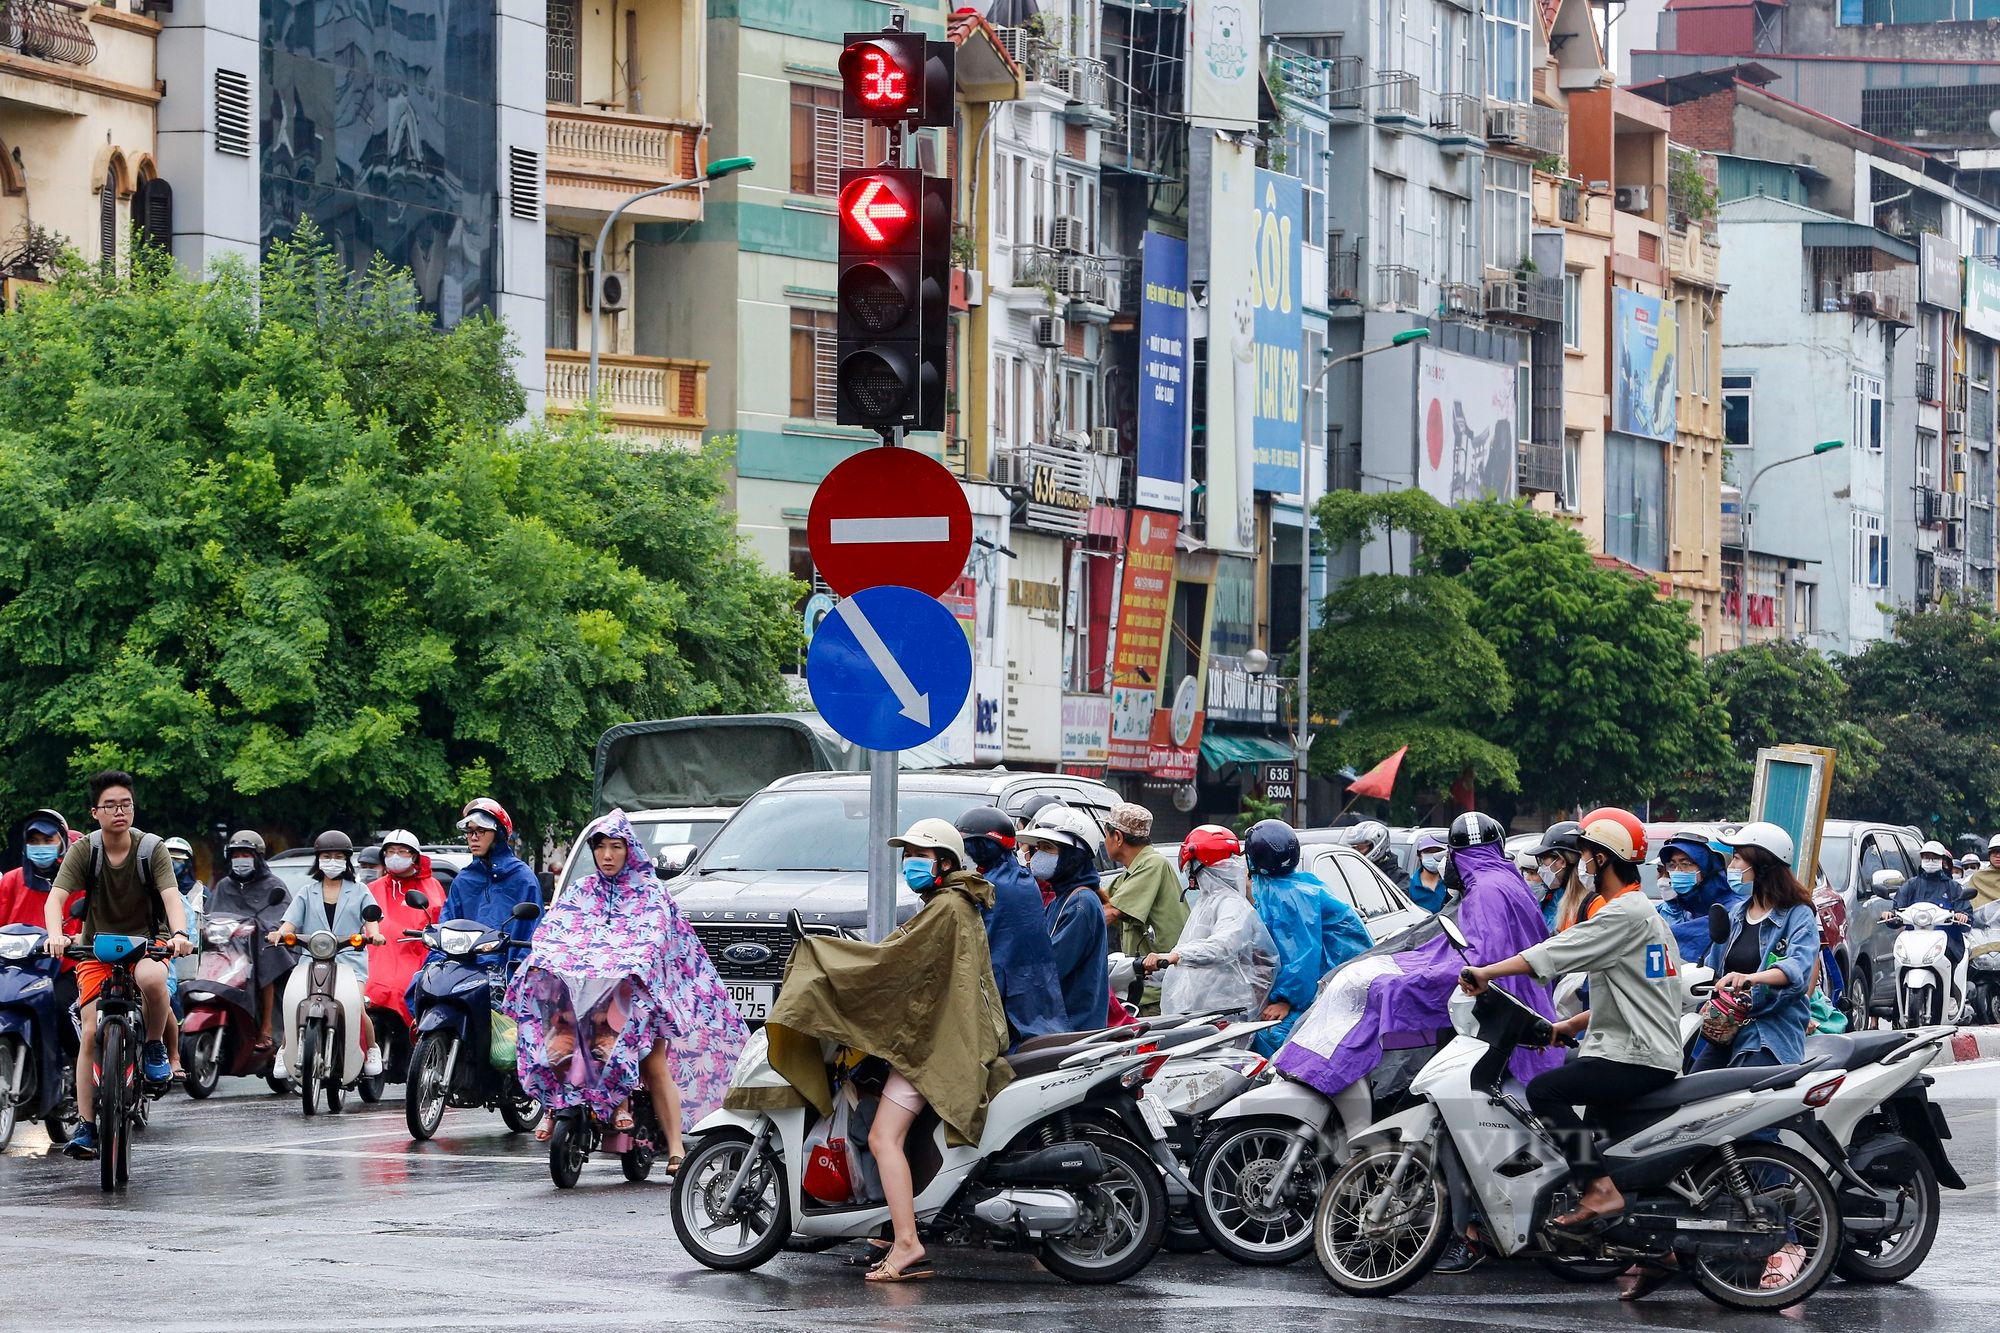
<point>921,528</point>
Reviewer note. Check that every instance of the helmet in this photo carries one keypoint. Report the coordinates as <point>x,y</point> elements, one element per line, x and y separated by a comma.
<point>1035,805</point>
<point>1272,847</point>
<point>495,815</point>
<point>1473,829</point>
<point>1428,842</point>
<point>1061,824</point>
<point>987,821</point>
<point>1560,837</point>
<point>932,835</point>
<point>401,837</point>
<point>1935,848</point>
<point>333,840</point>
<point>370,855</point>
<point>1210,844</point>
<point>180,846</point>
<point>1993,843</point>
<point>1765,836</point>
<point>1627,842</point>
<point>247,840</point>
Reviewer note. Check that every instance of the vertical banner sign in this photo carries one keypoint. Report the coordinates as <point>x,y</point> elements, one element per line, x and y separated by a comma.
<point>1222,86</point>
<point>1230,499</point>
<point>1982,296</point>
<point>1143,608</point>
<point>1465,420</point>
<point>1279,325</point>
<point>1163,360</point>
<point>1645,390</point>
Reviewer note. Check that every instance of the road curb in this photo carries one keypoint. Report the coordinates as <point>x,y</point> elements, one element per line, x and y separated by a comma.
<point>1969,1044</point>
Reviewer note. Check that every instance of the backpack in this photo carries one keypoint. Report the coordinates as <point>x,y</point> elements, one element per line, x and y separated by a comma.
<point>148,844</point>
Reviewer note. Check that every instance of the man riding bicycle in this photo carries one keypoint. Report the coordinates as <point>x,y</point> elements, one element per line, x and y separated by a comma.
<point>128,881</point>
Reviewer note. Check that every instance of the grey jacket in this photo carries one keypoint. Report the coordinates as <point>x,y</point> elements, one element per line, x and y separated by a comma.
<point>1635,983</point>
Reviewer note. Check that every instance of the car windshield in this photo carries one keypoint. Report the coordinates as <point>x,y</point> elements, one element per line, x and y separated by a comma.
<point>816,830</point>
<point>1833,858</point>
<point>659,835</point>
<point>295,875</point>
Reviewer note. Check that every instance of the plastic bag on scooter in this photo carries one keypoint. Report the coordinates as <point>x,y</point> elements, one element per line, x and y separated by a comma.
<point>503,1046</point>
<point>828,1175</point>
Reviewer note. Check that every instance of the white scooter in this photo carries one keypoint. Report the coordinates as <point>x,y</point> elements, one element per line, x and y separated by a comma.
<point>323,1036</point>
<point>1696,1188</point>
<point>1929,989</point>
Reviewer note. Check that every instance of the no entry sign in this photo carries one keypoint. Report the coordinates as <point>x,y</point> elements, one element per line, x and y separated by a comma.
<point>890,516</point>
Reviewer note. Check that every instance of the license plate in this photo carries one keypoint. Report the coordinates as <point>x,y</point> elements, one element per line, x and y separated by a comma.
<point>753,1003</point>
<point>1156,1115</point>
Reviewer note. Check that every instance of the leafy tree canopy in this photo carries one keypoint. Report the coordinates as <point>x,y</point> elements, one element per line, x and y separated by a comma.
<point>275,547</point>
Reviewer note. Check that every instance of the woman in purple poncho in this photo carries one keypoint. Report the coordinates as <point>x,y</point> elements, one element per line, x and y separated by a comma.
<point>1388,1000</point>
<point>617,990</point>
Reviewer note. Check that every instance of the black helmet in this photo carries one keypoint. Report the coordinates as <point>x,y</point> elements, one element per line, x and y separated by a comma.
<point>1473,829</point>
<point>333,840</point>
<point>987,821</point>
<point>1564,837</point>
<point>1035,806</point>
<point>1272,847</point>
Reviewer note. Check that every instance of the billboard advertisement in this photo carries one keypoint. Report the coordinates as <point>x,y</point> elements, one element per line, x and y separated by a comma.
<point>1277,226</point>
<point>1163,363</point>
<point>1982,296</point>
<point>1229,504</point>
<point>1144,603</point>
<point>1467,442</point>
<point>1224,36</point>
<point>1937,272</point>
<point>1645,387</point>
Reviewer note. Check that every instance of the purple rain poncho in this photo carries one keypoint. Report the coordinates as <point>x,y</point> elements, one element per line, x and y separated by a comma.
<point>1383,996</point>
<point>618,955</point>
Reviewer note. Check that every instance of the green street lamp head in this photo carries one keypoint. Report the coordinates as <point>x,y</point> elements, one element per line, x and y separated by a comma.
<point>1828,446</point>
<point>728,166</point>
<point>1408,336</point>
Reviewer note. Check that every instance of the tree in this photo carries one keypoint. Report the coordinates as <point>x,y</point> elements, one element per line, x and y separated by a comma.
<point>1608,699</point>
<point>1396,653</point>
<point>276,548</point>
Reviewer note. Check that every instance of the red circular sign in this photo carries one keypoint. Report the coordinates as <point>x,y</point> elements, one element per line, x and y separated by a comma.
<point>890,516</point>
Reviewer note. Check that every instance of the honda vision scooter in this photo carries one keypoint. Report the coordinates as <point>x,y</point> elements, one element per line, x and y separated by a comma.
<point>222,1026</point>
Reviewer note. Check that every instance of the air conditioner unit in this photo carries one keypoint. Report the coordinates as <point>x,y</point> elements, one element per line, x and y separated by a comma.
<point>1066,233</point>
<point>1003,466</point>
<point>1104,440</point>
<point>1050,331</point>
<point>1634,198</point>
<point>1073,281</point>
<point>1954,424</point>
<point>1958,465</point>
<point>1863,303</point>
<point>1014,41</point>
<point>1954,540</point>
<point>615,288</point>
<point>1958,505</point>
<point>1505,124</point>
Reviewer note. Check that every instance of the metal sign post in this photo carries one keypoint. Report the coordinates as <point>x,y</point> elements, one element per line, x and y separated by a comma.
<point>884,861</point>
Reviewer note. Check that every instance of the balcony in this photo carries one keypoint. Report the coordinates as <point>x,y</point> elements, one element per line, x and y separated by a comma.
<point>659,402</point>
<point>1927,382</point>
<point>1343,275</point>
<point>1461,120</point>
<point>1695,256</point>
<point>1082,280</point>
<point>1525,298</point>
<point>1460,300</point>
<point>1398,287</point>
<point>598,158</point>
<point>1569,201</point>
<point>1347,82</point>
<point>52,30</point>
<point>1399,100</point>
<point>1547,132</point>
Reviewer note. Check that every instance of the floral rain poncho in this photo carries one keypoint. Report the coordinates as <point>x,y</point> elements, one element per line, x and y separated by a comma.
<point>614,968</point>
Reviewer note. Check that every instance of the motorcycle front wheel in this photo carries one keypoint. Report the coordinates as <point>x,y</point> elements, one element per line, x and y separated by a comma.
<point>1232,1172</point>
<point>1893,1257</point>
<point>309,1067</point>
<point>569,1148</point>
<point>1377,1235</point>
<point>1122,1219</point>
<point>732,1239</point>
<point>201,1057</point>
<point>426,1094</point>
<point>12,1052</point>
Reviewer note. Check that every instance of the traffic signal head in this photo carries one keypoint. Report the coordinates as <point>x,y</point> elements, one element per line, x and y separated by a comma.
<point>895,273</point>
<point>897,77</point>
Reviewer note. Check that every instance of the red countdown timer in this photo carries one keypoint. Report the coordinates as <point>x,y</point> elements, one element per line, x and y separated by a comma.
<point>882,83</point>
<point>882,78</point>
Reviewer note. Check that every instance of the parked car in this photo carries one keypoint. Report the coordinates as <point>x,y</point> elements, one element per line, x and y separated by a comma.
<point>802,842</point>
<point>1852,853</point>
<point>1385,907</point>
<point>672,838</point>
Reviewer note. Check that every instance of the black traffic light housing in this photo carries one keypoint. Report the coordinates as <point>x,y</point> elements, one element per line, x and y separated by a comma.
<point>897,77</point>
<point>893,286</point>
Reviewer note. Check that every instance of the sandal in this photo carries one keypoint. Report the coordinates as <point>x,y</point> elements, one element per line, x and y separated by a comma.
<point>1782,1268</point>
<point>1583,1221</point>
<point>544,1130</point>
<point>674,1165</point>
<point>622,1120</point>
<point>885,1272</point>
<point>1647,1279</point>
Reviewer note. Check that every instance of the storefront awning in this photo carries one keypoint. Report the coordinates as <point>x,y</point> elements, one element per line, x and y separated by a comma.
<point>1219,748</point>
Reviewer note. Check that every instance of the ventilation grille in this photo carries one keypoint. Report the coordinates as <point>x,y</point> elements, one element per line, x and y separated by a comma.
<point>232,113</point>
<point>524,183</point>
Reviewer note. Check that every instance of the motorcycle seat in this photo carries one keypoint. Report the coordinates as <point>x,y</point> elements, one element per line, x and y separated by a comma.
<point>1050,1040</point>
<point>1699,1087</point>
<point>1027,1064</point>
<point>1851,1050</point>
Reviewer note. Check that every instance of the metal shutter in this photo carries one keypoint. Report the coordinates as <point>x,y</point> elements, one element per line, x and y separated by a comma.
<point>524,183</point>
<point>232,113</point>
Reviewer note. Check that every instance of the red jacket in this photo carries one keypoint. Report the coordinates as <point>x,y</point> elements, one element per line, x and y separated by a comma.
<point>391,965</point>
<point>19,904</point>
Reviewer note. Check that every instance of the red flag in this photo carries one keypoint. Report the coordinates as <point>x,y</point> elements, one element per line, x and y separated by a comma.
<point>1378,780</point>
<point>1461,790</point>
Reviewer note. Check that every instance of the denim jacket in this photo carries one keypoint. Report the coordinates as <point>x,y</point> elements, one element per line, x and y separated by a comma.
<point>1778,1014</point>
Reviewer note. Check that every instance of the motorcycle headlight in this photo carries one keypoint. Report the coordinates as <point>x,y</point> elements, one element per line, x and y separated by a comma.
<point>322,945</point>
<point>16,947</point>
<point>219,932</point>
<point>458,941</point>
<point>1934,951</point>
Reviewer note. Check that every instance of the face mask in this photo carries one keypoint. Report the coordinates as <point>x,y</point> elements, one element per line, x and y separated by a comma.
<point>1587,878</point>
<point>1549,876</point>
<point>332,867</point>
<point>917,873</point>
<point>399,865</point>
<point>44,857</point>
<point>1931,865</point>
<point>1681,881</point>
<point>1433,861</point>
<point>1042,865</point>
<point>1736,878</point>
<point>242,866</point>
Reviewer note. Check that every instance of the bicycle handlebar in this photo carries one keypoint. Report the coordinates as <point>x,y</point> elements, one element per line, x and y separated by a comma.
<point>84,953</point>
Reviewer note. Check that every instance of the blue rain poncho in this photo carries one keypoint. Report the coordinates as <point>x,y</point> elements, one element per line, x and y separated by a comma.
<point>1314,930</point>
<point>1078,939</point>
<point>1024,964</point>
<point>1687,913</point>
<point>1228,959</point>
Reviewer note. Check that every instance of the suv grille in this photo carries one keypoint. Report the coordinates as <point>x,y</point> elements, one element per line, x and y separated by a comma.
<point>718,938</point>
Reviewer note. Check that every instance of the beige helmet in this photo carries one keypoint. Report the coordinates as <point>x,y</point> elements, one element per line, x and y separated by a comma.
<point>928,835</point>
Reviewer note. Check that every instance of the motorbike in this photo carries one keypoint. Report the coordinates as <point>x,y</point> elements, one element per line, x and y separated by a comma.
<point>1696,1188</point>
<point>1982,965</point>
<point>575,1132</point>
<point>323,1031</point>
<point>451,1062</point>
<point>1928,987</point>
<point>32,1062</point>
<point>221,1026</point>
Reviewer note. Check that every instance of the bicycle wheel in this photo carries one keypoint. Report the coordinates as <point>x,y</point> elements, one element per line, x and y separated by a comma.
<point>111,1085</point>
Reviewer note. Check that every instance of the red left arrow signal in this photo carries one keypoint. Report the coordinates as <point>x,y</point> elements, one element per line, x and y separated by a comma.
<point>874,211</point>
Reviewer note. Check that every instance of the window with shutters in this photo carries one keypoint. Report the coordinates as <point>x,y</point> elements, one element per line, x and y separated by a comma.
<point>823,141</point>
<point>813,350</point>
<point>153,213</point>
<point>560,255</point>
<point>107,221</point>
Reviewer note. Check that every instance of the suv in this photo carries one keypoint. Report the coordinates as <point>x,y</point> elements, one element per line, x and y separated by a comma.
<point>1851,854</point>
<point>802,842</point>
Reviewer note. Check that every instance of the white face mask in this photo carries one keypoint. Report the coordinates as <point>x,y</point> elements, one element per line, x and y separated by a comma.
<point>332,867</point>
<point>1042,864</point>
<point>398,864</point>
<point>1549,876</point>
<point>1931,864</point>
<point>242,866</point>
<point>1588,878</point>
<point>1433,861</point>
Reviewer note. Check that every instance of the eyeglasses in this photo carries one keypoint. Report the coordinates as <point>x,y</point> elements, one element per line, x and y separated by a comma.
<point>114,807</point>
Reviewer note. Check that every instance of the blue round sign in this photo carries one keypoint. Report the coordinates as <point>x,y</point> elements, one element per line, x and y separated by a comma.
<point>889,668</point>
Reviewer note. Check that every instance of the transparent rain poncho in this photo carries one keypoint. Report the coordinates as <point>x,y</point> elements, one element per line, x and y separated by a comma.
<point>1227,956</point>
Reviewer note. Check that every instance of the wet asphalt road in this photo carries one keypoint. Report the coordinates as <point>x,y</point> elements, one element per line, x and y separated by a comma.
<point>243,1215</point>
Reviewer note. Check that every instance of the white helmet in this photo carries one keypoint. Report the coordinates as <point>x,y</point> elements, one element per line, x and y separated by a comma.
<point>179,845</point>
<point>1371,831</point>
<point>1935,848</point>
<point>1767,836</point>
<point>401,837</point>
<point>1993,843</point>
<point>1062,823</point>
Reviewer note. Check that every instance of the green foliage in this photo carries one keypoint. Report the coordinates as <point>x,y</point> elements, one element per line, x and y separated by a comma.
<point>275,547</point>
<point>1692,197</point>
<point>1256,808</point>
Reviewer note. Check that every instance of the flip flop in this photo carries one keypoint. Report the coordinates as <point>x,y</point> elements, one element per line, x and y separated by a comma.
<point>884,1272</point>
<point>1782,1268</point>
<point>1584,1221</point>
<point>1647,1279</point>
<point>544,1131</point>
<point>674,1165</point>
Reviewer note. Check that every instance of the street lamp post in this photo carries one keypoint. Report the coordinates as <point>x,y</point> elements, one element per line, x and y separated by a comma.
<point>1303,741</point>
<point>716,171</point>
<point>1745,523</point>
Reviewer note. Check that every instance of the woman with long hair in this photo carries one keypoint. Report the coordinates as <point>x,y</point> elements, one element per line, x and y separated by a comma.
<point>1769,956</point>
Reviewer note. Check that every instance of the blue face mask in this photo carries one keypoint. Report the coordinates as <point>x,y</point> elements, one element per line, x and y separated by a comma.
<point>918,874</point>
<point>1735,878</point>
<point>42,858</point>
<point>1682,881</point>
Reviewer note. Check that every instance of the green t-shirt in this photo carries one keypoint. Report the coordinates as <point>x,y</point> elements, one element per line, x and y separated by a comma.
<point>1149,893</point>
<point>121,902</point>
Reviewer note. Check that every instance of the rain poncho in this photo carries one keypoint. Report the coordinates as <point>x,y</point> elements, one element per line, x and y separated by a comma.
<point>391,966</point>
<point>1687,913</point>
<point>1075,920</point>
<point>24,890</point>
<point>1024,964</point>
<point>249,899</point>
<point>1382,1000</point>
<point>1941,890</point>
<point>1314,930</point>
<point>1228,958</point>
<point>1982,887</point>
<point>615,967</point>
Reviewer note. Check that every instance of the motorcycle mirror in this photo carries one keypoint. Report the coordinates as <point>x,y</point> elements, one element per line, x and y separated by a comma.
<point>526,911</point>
<point>796,924</point>
<point>416,899</point>
<point>1886,882</point>
<point>371,913</point>
<point>1454,934</point>
<point>1718,924</point>
<point>277,898</point>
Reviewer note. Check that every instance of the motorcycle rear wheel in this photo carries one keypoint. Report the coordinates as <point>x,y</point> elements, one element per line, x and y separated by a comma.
<point>426,1094</point>
<point>204,1072</point>
<point>521,1112</point>
<point>1126,1212</point>
<point>763,1219</point>
<point>1812,1210</point>
<point>568,1150</point>
<point>1894,1259</point>
<point>1381,1259</point>
<point>12,1052</point>
<point>370,1088</point>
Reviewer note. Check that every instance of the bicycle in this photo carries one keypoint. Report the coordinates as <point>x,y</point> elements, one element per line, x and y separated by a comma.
<point>121,1032</point>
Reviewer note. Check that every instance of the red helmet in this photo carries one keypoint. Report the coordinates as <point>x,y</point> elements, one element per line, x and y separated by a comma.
<point>491,808</point>
<point>1210,844</point>
<point>1631,846</point>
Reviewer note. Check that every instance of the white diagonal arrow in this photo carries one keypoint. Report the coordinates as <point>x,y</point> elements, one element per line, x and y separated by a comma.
<point>916,707</point>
